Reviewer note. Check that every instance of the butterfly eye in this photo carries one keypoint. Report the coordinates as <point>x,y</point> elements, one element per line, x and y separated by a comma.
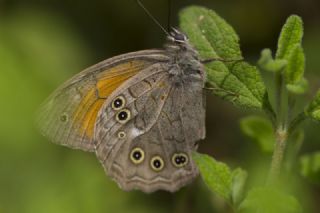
<point>123,116</point>
<point>137,155</point>
<point>118,103</point>
<point>157,163</point>
<point>180,159</point>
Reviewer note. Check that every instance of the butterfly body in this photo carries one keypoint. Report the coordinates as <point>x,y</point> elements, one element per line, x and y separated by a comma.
<point>142,115</point>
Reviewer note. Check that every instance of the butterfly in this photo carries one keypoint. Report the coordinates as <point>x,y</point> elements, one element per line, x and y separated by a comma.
<point>141,113</point>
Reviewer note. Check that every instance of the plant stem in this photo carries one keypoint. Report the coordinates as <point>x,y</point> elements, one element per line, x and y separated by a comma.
<point>277,158</point>
<point>281,131</point>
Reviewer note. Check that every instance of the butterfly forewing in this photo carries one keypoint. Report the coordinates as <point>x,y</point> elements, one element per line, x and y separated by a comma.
<point>69,114</point>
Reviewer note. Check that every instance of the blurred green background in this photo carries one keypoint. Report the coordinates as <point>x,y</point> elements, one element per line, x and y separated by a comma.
<point>44,42</point>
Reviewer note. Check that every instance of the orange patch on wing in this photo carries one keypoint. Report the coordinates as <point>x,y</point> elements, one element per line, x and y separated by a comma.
<point>107,81</point>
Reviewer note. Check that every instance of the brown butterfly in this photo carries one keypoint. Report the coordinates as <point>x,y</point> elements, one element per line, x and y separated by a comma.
<point>141,113</point>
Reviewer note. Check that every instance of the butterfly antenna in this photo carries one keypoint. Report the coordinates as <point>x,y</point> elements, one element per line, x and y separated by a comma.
<point>169,16</point>
<point>152,17</point>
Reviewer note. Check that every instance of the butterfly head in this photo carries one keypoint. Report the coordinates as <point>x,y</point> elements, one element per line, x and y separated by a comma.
<point>177,37</point>
<point>178,42</point>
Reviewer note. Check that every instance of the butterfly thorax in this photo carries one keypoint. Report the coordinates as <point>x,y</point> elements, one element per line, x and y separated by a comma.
<point>184,59</point>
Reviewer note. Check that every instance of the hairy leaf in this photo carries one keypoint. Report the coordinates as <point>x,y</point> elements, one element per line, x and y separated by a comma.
<point>296,65</point>
<point>313,109</point>
<point>291,35</point>
<point>260,130</point>
<point>216,175</point>
<point>267,200</point>
<point>267,63</point>
<point>310,167</point>
<point>299,87</point>
<point>239,177</point>
<point>232,79</point>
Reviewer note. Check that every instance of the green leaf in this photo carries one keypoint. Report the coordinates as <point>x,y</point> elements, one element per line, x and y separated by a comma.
<point>296,65</point>
<point>267,63</point>
<point>216,175</point>
<point>236,81</point>
<point>310,167</point>
<point>299,87</point>
<point>260,130</point>
<point>212,36</point>
<point>239,177</point>
<point>266,200</point>
<point>291,35</point>
<point>242,85</point>
<point>313,109</point>
<point>289,48</point>
<point>266,55</point>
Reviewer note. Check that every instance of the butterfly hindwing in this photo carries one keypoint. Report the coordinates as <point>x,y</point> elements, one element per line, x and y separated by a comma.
<point>156,131</point>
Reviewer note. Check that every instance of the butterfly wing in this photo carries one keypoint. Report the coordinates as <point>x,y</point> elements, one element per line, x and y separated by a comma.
<point>151,148</point>
<point>68,116</point>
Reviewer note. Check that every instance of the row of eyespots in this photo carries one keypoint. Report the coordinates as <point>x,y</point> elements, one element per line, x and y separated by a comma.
<point>123,115</point>
<point>157,164</point>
